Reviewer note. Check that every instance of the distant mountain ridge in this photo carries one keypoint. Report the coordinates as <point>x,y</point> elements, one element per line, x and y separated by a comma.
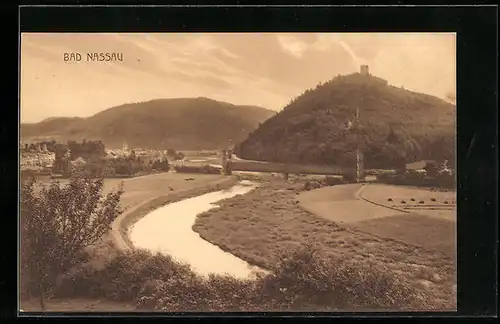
<point>179,123</point>
<point>395,126</point>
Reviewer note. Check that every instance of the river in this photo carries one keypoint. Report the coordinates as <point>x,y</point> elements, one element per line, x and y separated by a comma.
<point>168,230</point>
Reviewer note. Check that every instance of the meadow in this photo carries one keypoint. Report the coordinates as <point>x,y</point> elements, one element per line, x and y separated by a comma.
<point>315,264</point>
<point>257,227</point>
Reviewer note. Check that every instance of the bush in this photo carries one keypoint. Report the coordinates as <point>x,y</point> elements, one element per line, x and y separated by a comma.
<point>372,172</point>
<point>332,181</point>
<point>309,185</point>
<point>308,276</point>
<point>81,281</point>
<point>121,278</point>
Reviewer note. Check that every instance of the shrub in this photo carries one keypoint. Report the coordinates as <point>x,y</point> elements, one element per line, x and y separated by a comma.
<point>372,172</point>
<point>309,185</point>
<point>332,181</point>
<point>123,277</point>
<point>309,276</point>
<point>176,294</point>
<point>81,281</point>
<point>306,278</point>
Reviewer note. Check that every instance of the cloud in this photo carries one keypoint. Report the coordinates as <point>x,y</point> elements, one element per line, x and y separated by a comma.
<point>242,68</point>
<point>292,45</point>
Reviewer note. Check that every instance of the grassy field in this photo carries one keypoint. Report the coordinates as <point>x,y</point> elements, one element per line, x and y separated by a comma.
<point>343,205</point>
<point>258,226</point>
<point>420,230</point>
<point>439,204</point>
<point>338,204</point>
<point>140,189</point>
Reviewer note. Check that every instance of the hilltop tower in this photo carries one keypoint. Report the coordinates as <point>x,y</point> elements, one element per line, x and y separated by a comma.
<point>364,70</point>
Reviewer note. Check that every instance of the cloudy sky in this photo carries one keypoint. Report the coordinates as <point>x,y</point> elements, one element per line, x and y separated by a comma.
<point>265,69</point>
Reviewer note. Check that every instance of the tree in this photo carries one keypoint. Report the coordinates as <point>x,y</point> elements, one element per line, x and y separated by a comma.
<point>161,165</point>
<point>57,223</point>
<point>179,156</point>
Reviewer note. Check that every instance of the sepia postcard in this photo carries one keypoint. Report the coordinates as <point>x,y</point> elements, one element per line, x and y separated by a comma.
<point>229,172</point>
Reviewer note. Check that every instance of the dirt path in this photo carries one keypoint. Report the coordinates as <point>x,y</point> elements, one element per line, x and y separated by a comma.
<point>361,206</point>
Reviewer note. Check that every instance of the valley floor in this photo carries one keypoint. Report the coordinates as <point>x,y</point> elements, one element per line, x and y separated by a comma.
<point>274,217</point>
<point>280,215</point>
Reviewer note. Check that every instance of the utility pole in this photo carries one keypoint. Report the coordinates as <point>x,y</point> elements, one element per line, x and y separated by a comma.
<point>358,158</point>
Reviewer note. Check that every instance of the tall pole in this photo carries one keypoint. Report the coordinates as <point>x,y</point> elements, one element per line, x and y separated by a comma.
<point>358,153</point>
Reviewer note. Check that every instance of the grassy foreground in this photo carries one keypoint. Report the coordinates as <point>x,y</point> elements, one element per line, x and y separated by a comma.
<point>304,279</point>
<point>258,226</point>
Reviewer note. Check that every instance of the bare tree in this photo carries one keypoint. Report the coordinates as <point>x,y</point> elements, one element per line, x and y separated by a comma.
<point>57,223</point>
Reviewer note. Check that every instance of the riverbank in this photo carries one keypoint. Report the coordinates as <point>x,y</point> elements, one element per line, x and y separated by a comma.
<point>168,230</point>
<point>305,278</point>
<point>257,227</point>
<point>144,194</point>
<point>122,224</point>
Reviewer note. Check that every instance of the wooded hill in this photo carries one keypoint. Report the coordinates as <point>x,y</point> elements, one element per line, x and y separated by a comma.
<point>396,126</point>
<point>181,123</point>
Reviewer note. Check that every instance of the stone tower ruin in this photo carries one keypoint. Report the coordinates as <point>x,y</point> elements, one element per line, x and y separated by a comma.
<point>364,70</point>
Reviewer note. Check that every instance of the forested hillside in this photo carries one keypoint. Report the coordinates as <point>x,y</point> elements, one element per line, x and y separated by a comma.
<point>181,123</point>
<point>395,126</point>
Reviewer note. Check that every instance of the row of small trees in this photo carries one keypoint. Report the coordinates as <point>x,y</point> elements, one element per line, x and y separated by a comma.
<point>435,175</point>
<point>127,166</point>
